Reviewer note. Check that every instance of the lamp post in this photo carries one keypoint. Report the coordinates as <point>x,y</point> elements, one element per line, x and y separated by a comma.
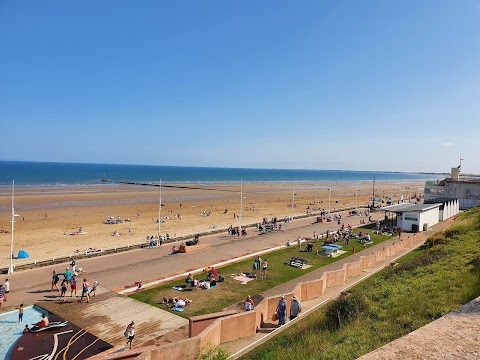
<point>159,210</point>
<point>10,269</point>
<point>241,202</point>
<point>293,199</point>
<point>329,194</point>
<point>356,199</point>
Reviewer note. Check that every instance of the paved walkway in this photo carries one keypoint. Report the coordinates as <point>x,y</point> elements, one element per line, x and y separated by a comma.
<point>108,314</point>
<point>122,270</point>
<point>452,337</point>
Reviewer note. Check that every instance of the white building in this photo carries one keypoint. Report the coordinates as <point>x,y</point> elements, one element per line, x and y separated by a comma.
<point>420,217</point>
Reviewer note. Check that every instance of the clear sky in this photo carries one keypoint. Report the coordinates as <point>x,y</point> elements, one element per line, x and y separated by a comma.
<point>361,85</point>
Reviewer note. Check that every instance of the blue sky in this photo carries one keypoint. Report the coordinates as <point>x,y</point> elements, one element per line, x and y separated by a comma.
<point>361,85</point>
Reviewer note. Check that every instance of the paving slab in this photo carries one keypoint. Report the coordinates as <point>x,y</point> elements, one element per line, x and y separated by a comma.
<point>108,314</point>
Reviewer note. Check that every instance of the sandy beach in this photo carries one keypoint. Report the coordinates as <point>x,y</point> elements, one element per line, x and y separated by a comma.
<point>47,215</point>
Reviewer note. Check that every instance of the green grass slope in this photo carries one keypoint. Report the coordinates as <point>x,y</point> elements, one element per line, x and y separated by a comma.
<point>427,284</point>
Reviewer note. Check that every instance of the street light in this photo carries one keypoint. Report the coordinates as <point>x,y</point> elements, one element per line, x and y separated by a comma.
<point>10,269</point>
<point>241,202</point>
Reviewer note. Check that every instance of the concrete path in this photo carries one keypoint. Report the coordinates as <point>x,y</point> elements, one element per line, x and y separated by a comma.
<point>108,314</point>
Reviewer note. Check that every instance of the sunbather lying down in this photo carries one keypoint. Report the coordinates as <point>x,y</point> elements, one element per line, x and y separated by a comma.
<point>176,302</point>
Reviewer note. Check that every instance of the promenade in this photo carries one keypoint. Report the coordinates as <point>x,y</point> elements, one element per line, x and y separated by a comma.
<point>122,270</point>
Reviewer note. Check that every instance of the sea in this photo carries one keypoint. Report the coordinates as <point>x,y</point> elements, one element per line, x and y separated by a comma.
<point>52,174</point>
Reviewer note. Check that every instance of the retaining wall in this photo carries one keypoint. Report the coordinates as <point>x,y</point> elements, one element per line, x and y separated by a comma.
<point>246,324</point>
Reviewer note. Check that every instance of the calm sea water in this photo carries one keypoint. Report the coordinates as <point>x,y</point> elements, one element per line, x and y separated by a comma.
<point>38,174</point>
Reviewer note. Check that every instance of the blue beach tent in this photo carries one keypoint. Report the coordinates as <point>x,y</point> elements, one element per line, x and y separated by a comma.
<point>22,254</point>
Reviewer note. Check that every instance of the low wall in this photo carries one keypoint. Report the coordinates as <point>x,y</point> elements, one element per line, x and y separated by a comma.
<point>247,324</point>
<point>197,324</point>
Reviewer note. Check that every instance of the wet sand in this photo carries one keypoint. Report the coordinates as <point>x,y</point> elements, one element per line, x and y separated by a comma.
<point>45,215</point>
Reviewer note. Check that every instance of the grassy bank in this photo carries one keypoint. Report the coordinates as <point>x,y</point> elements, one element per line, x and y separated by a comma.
<point>232,291</point>
<point>427,284</point>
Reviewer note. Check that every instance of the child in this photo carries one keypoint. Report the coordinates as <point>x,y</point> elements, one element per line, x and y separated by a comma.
<point>94,288</point>
<point>26,330</point>
<point>20,313</point>
<point>73,286</point>
<point>64,290</point>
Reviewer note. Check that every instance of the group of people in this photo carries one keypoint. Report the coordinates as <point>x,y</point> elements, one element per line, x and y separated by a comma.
<point>70,280</point>
<point>260,267</point>
<point>176,302</point>
<point>236,231</point>
<point>208,283</point>
<point>281,311</point>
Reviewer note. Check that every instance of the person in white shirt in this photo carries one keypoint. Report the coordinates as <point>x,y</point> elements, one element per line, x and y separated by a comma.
<point>7,289</point>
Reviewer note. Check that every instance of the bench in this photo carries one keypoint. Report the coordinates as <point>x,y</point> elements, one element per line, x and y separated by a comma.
<point>185,249</point>
<point>297,262</point>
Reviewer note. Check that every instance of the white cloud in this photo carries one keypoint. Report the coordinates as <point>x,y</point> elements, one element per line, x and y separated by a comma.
<point>447,144</point>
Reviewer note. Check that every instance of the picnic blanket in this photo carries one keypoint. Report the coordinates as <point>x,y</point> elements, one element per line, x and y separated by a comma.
<point>243,278</point>
<point>178,309</point>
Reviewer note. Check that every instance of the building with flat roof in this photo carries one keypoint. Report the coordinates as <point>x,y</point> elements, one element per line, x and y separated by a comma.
<point>464,188</point>
<point>420,217</point>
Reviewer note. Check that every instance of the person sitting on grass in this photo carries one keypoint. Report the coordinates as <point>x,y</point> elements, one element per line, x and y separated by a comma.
<point>213,282</point>
<point>309,247</point>
<point>249,304</point>
<point>189,279</point>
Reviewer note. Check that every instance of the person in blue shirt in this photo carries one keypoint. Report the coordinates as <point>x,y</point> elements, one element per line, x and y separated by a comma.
<point>68,275</point>
<point>282,311</point>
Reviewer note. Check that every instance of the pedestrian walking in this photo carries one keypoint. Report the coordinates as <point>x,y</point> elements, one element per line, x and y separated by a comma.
<point>73,286</point>
<point>130,333</point>
<point>67,276</point>
<point>55,280</point>
<point>282,311</point>
<point>2,294</point>
<point>73,264</point>
<point>63,294</point>
<point>299,242</point>
<point>295,308</point>
<point>85,287</point>
<point>94,288</point>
